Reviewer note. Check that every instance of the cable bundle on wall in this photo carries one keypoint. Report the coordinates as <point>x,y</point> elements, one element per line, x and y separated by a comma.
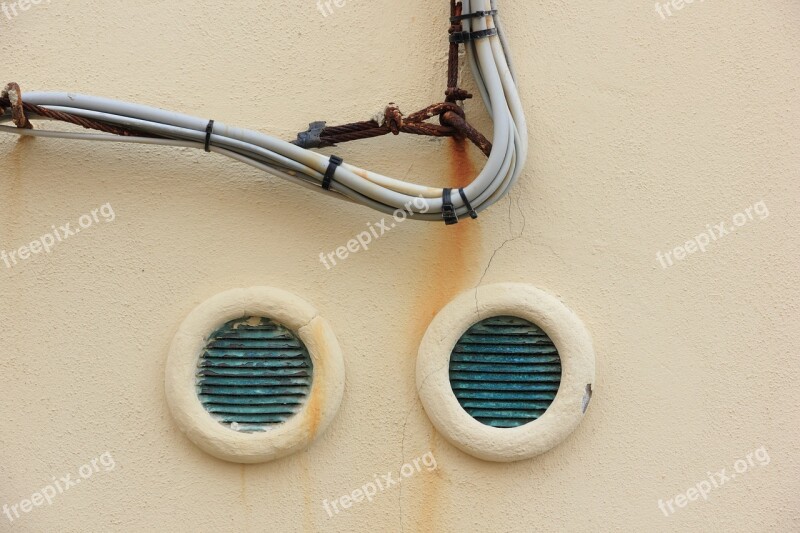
<point>487,54</point>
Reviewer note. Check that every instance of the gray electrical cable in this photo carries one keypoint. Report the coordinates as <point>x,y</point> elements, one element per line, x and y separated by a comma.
<point>490,64</point>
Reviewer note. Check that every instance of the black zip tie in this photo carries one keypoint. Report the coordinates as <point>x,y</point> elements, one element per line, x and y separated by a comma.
<point>448,209</point>
<point>472,213</point>
<point>209,129</point>
<point>465,36</point>
<point>332,165</point>
<point>476,14</point>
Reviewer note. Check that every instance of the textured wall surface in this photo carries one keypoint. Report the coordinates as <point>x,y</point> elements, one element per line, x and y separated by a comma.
<point>645,129</point>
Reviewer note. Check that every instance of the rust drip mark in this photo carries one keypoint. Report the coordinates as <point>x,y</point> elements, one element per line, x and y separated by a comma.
<point>314,404</point>
<point>451,246</point>
<point>462,169</point>
<point>14,203</point>
<point>314,411</point>
<point>313,416</point>
<point>450,272</point>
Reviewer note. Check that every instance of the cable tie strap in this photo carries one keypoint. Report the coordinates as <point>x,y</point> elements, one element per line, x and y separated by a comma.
<point>448,209</point>
<point>209,129</point>
<point>476,14</point>
<point>472,213</point>
<point>335,161</point>
<point>466,36</point>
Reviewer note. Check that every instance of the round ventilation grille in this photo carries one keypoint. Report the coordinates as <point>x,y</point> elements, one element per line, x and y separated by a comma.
<point>254,373</point>
<point>505,371</point>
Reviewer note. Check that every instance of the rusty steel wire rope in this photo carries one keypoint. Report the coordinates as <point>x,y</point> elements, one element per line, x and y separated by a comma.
<point>474,24</point>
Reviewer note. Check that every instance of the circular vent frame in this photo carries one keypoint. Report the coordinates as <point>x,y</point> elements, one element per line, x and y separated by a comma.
<point>254,375</point>
<point>453,360</point>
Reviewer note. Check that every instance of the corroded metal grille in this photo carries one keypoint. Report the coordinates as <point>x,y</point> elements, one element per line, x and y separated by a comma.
<point>253,374</point>
<point>505,371</point>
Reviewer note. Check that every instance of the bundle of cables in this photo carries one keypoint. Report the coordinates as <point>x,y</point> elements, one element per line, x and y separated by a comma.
<point>487,56</point>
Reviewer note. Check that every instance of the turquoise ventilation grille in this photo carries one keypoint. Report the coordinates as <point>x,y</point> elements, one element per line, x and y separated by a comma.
<point>254,373</point>
<point>505,372</point>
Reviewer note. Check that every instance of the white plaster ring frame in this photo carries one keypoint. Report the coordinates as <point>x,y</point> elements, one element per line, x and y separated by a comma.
<point>297,432</point>
<point>577,362</point>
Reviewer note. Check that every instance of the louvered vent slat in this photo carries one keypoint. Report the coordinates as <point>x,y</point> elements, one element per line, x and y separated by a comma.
<point>253,374</point>
<point>505,372</point>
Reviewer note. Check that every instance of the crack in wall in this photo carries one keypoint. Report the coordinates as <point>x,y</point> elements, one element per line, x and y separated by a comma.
<point>511,239</point>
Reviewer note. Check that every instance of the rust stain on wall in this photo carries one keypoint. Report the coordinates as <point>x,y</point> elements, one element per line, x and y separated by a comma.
<point>307,486</point>
<point>314,404</point>
<point>448,274</point>
<point>14,204</point>
<point>314,409</point>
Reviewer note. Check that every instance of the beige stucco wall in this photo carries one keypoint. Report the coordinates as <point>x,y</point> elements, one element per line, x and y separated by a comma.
<point>643,131</point>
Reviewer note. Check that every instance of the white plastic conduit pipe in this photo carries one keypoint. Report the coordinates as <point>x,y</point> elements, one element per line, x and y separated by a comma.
<point>490,64</point>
